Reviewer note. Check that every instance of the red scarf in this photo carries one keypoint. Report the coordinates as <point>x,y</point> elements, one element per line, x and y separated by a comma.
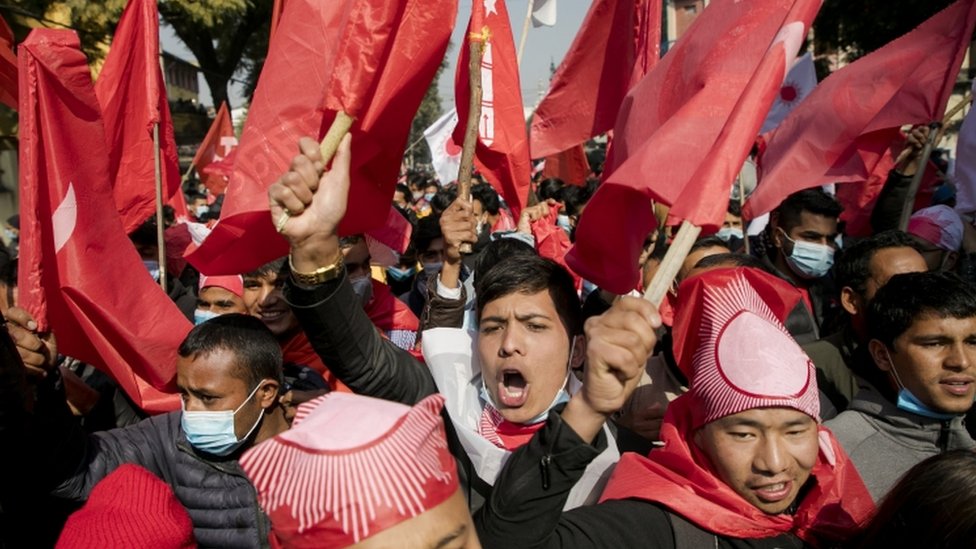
<point>832,510</point>
<point>298,350</point>
<point>503,433</point>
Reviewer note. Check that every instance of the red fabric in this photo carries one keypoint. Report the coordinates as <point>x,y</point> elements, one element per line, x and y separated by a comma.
<point>130,507</point>
<point>570,165</point>
<point>505,222</point>
<point>302,67</point>
<point>616,46</point>
<point>502,150</point>
<point>131,93</point>
<point>552,242</point>
<point>8,67</point>
<point>220,170</point>
<point>680,478</point>
<point>503,433</point>
<point>218,144</point>
<point>389,313</point>
<point>685,130</point>
<point>80,277</point>
<point>298,350</point>
<point>178,203</point>
<point>177,239</point>
<point>842,129</point>
<point>780,296</point>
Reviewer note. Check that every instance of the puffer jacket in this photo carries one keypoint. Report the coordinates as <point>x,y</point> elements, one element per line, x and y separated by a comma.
<point>219,498</point>
<point>884,441</point>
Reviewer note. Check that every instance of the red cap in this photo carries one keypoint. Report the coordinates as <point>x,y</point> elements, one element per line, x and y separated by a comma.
<point>350,467</point>
<point>232,283</point>
<point>131,507</point>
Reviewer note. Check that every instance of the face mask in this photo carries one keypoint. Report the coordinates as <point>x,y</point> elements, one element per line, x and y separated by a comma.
<point>418,195</point>
<point>481,227</point>
<point>199,317</point>
<point>809,260</point>
<point>363,286</point>
<point>433,267</point>
<point>152,266</point>
<point>726,233</point>
<point>202,210</point>
<point>562,396</point>
<point>10,235</point>
<point>400,274</point>
<point>563,222</point>
<point>910,403</point>
<point>213,432</point>
<point>428,196</point>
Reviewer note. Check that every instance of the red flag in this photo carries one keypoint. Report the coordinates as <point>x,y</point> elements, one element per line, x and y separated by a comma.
<point>310,61</point>
<point>570,165</point>
<point>836,135</point>
<point>131,93</point>
<point>8,67</point>
<point>219,142</point>
<point>275,17</point>
<point>79,275</point>
<point>617,45</point>
<point>502,151</point>
<point>684,131</point>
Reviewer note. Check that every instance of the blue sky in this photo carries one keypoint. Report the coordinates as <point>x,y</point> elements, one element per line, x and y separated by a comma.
<point>543,45</point>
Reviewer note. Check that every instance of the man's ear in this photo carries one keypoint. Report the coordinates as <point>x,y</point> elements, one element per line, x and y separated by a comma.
<point>267,395</point>
<point>949,262</point>
<point>850,301</point>
<point>578,343</point>
<point>880,354</point>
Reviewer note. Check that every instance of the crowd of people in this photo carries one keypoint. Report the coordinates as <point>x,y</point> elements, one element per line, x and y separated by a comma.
<point>797,387</point>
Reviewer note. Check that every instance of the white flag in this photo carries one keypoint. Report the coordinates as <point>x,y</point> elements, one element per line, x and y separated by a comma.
<point>543,13</point>
<point>798,84</point>
<point>445,155</point>
<point>965,168</point>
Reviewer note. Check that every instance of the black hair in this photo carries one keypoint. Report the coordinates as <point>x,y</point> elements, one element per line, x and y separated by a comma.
<point>278,266</point>
<point>908,296</point>
<point>531,274</point>
<point>351,240</point>
<point>427,230</point>
<point>574,198</point>
<point>403,189</point>
<point>252,343</point>
<point>443,199</point>
<point>145,234</point>
<point>709,242</point>
<point>732,260</point>
<point>498,249</point>
<point>933,505</point>
<point>549,188</point>
<point>484,193</point>
<point>815,201</point>
<point>735,208</point>
<point>852,266</point>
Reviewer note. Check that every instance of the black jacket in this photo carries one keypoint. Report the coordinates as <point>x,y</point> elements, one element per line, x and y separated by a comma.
<point>525,508</point>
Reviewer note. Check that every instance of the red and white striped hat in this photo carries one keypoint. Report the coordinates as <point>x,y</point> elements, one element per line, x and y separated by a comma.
<point>232,283</point>
<point>744,358</point>
<point>350,467</point>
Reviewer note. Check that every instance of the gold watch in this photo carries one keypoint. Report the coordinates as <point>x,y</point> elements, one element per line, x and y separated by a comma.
<point>318,276</point>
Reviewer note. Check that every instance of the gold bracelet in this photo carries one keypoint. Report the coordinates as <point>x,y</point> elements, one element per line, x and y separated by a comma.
<point>318,276</point>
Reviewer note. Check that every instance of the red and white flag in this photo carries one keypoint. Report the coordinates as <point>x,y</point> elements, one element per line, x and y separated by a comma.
<point>8,67</point>
<point>374,60</point>
<point>218,144</point>
<point>800,81</point>
<point>502,151</point>
<point>445,154</point>
<point>131,93</point>
<point>838,134</point>
<point>619,42</point>
<point>80,277</point>
<point>684,132</point>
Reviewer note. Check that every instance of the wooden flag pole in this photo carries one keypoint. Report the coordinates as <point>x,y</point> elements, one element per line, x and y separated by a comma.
<point>525,32</point>
<point>476,45</point>
<point>160,240</point>
<point>966,100</point>
<point>330,143</point>
<point>671,264</point>
<point>906,208</point>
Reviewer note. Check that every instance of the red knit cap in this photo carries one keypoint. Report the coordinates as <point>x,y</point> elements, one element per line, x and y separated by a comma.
<point>131,507</point>
<point>350,467</point>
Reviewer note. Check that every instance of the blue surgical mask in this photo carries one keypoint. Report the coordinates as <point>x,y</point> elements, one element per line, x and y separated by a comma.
<point>562,396</point>
<point>563,222</point>
<point>400,274</point>
<point>910,403</point>
<point>199,317</point>
<point>809,260</point>
<point>152,266</point>
<point>433,267</point>
<point>213,432</point>
<point>428,196</point>
<point>10,235</point>
<point>727,233</point>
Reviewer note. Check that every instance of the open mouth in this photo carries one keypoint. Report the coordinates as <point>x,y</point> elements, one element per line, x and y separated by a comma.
<point>513,390</point>
<point>272,315</point>
<point>957,387</point>
<point>773,493</point>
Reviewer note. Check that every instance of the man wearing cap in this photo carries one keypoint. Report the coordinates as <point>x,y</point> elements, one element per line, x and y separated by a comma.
<point>938,231</point>
<point>219,295</point>
<point>229,377</point>
<point>744,456</point>
<point>922,339</point>
<point>385,479</point>
<point>529,329</point>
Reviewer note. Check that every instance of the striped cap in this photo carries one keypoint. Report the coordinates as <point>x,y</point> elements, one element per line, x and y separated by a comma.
<point>350,467</point>
<point>744,357</point>
<point>232,283</point>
